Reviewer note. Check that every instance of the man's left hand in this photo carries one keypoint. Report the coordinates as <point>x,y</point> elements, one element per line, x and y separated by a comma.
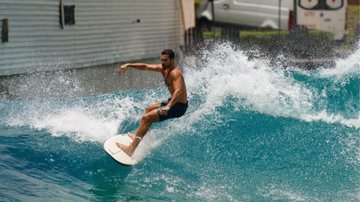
<point>164,110</point>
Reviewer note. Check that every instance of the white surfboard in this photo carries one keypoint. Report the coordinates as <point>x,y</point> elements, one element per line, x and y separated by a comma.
<point>116,153</point>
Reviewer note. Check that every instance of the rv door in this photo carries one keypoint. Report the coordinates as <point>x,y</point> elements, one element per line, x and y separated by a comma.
<point>326,15</point>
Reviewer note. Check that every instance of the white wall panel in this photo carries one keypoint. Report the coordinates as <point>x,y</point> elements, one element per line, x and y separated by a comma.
<point>107,31</point>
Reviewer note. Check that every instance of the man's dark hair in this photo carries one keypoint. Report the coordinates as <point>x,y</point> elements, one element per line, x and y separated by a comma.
<point>168,52</point>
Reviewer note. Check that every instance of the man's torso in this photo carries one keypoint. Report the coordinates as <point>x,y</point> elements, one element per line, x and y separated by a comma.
<point>169,76</point>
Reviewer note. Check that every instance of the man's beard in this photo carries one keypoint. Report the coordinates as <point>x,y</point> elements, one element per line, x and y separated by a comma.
<point>166,66</point>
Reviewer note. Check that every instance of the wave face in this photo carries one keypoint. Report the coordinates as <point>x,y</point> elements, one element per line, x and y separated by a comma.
<point>253,132</point>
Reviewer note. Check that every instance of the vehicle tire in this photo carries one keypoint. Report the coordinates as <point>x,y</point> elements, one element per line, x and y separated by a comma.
<point>203,24</point>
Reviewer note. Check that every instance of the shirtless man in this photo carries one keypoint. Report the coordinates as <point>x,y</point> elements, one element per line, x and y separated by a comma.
<point>174,107</point>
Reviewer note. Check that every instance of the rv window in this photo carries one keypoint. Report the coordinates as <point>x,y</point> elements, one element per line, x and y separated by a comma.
<point>308,4</point>
<point>334,4</point>
<point>321,4</point>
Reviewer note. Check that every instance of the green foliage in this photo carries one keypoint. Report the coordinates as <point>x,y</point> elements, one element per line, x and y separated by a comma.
<point>353,18</point>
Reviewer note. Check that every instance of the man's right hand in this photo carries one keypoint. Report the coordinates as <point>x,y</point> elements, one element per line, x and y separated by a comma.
<point>122,68</point>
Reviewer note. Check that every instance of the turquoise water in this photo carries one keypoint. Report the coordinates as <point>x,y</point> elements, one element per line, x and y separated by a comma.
<point>253,132</point>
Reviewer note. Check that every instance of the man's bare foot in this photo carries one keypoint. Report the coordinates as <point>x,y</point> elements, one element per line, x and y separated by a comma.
<point>125,148</point>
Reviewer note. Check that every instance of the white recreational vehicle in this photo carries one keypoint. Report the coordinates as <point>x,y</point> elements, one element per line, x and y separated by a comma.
<point>327,15</point>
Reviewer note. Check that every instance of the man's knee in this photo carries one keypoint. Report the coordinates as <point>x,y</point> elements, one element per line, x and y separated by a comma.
<point>148,109</point>
<point>146,119</point>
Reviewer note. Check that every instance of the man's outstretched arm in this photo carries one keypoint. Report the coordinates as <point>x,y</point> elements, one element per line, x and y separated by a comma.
<point>139,66</point>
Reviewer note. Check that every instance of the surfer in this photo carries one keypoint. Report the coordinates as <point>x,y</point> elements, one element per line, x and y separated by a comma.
<point>173,107</point>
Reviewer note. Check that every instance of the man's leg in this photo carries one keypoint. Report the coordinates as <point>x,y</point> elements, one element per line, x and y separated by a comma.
<point>147,110</point>
<point>152,107</point>
<point>145,124</point>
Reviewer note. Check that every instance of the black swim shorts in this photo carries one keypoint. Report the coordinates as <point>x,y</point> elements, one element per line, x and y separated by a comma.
<point>177,110</point>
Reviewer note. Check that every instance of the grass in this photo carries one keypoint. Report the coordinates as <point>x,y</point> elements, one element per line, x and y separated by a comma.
<point>259,33</point>
<point>353,18</point>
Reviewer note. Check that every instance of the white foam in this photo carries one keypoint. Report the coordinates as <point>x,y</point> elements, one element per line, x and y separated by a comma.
<point>283,192</point>
<point>77,122</point>
<point>213,193</point>
<point>229,73</point>
<point>347,66</point>
<point>256,86</point>
<point>84,123</point>
<point>331,118</point>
